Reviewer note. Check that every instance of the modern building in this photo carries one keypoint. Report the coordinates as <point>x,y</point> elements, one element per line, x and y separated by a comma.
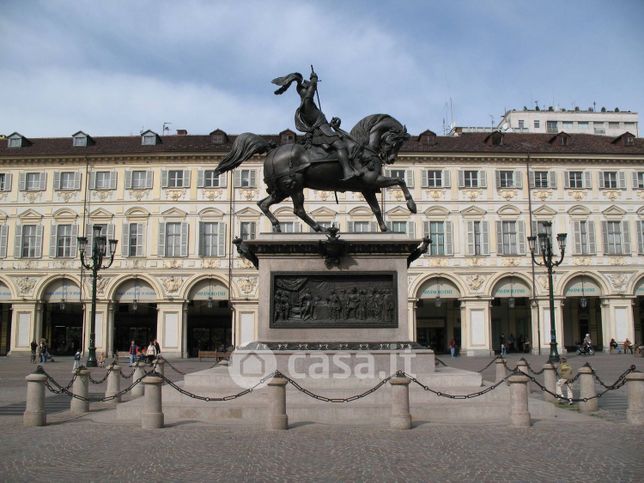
<point>554,120</point>
<point>176,278</point>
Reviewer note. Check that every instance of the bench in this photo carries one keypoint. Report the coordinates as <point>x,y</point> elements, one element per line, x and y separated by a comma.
<point>122,355</point>
<point>213,355</point>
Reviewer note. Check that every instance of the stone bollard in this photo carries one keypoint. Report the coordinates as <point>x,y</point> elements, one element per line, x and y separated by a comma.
<point>550,382</point>
<point>277,417</point>
<point>587,390</point>
<point>114,382</point>
<point>500,369</point>
<point>35,414</point>
<point>80,388</point>
<point>152,415</point>
<point>139,372</point>
<point>635,387</point>
<point>400,417</point>
<point>519,413</point>
<point>522,366</point>
<point>160,366</point>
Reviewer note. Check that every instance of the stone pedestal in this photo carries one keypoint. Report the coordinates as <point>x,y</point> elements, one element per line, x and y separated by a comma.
<point>635,388</point>
<point>550,381</point>
<point>114,382</point>
<point>34,414</point>
<point>137,391</point>
<point>519,414</point>
<point>80,388</point>
<point>277,417</point>
<point>400,416</point>
<point>152,416</point>
<point>587,390</point>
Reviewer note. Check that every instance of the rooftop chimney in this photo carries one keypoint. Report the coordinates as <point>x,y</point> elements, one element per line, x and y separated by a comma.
<point>182,132</point>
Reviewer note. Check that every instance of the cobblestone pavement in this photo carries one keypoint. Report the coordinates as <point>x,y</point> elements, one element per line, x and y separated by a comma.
<point>79,448</point>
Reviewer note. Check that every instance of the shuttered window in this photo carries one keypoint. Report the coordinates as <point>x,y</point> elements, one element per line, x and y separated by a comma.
<point>440,233</point>
<point>175,178</point>
<point>510,238</point>
<point>472,179</point>
<point>67,181</point>
<point>102,180</point>
<point>362,226</point>
<point>245,178</point>
<point>62,243</point>
<point>107,230</point>
<point>612,180</point>
<point>247,230</point>
<point>28,243</point>
<point>584,231</point>
<point>433,178</point>
<point>5,181</point>
<point>32,182</point>
<point>133,240</point>
<point>173,239</point>
<point>616,238</point>
<point>640,237</point>
<point>138,179</point>
<point>206,178</point>
<point>4,239</point>
<point>402,227</point>
<point>212,239</point>
<point>477,238</point>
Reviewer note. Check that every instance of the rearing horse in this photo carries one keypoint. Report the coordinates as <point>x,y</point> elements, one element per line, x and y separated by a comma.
<point>288,169</point>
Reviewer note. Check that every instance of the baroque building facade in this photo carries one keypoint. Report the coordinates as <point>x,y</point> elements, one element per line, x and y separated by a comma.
<point>177,278</point>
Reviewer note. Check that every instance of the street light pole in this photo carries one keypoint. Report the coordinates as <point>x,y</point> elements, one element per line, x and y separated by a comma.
<point>99,250</point>
<point>545,245</point>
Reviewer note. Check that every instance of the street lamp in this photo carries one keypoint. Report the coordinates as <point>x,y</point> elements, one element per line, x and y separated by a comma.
<point>545,245</point>
<point>99,249</point>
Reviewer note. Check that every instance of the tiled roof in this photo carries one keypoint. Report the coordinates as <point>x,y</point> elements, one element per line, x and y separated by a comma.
<point>467,143</point>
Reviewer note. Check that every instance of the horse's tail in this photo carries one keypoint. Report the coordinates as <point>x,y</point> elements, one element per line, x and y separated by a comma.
<point>245,146</point>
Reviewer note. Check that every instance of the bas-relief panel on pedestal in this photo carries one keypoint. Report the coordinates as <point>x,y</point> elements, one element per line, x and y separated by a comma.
<point>322,300</point>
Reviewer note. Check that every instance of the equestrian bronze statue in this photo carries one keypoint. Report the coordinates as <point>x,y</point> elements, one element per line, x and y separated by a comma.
<point>328,159</point>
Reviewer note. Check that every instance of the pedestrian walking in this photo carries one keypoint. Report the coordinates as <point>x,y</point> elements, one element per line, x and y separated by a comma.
<point>565,376</point>
<point>452,347</point>
<point>132,352</point>
<point>34,346</point>
<point>151,352</point>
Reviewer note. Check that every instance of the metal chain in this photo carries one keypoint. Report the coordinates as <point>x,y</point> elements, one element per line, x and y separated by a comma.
<point>173,367</point>
<point>440,362</point>
<point>490,363</point>
<point>459,396</point>
<point>101,381</point>
<point>336,399</point>
<point>217,399</point>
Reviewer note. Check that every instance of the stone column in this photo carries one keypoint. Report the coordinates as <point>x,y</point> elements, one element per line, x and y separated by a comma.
<point>500,369</point>
<point>114,382</point>
<point>549,381</point>
<point>519,414</point>
<point>277,417</point>
<point>80,388</point>
<point>635,387</point>
<point>137,391</point>
<point>587,390</point>
<point>400,416</point>
<point>152,415</point>
<point>35,414</point>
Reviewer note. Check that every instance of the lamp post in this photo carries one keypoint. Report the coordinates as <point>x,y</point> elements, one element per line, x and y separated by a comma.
<point>94,264</point>
<point>545,245</point>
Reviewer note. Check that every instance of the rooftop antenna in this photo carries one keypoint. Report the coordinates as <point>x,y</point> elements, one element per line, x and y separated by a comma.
<point>491,120</point>
<point>165,127</point>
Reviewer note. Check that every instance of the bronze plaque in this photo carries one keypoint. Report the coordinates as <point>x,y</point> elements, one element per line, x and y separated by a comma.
<point>333,300</point>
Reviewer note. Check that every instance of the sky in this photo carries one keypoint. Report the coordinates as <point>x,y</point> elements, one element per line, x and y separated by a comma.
<point>114,68</point>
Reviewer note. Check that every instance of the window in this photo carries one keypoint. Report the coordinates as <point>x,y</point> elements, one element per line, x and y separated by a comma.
<point>4,233</point>
<point>436,179</point>
<point>566,126</point>
<point>612,180</point>
<point>175,178</point>
<point>538,227</point>
<point>584,237</point>
<point>361,226</point>
<point>5,182</point>
<point>402,227</point>
<point>173,239</point>
<point>616,238</point>
<point>613,125</point>
<point>289,226</point>
<point>28,241</point>
<point>537,124</point>
<point>508,179</point>
<point>138,179</point>
<point>477,238</point>
<point>521,124</point>
<point>79,141</point>
<point>212,239</point>
<point>405,174</point>
<point>510,238</point>
<point>583,125</point>
<point>63,241</point>
<point>149,139</point>
<point>102,180</point>
<point>638,180</point>
<point>247,230</point>
<point>208,179</point>
<point>440,233</point>
<point>543,179</point>
<point>133,240</point>
<point>472,179</point>
<point>33,181</point>
<point>107,230</point>
<point>578,179</point>
<point>66,181</point>
<point>640,237</point>
<point>551,126</point>
<point>15,142</point>
<point>245,178</point>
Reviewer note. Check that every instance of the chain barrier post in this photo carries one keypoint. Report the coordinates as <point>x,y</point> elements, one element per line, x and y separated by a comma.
<point>500,369</point>
<point>522,366</point>
<point>160,366</point>
<point>400,416</point>
<point>277,417</point>
<point>635,388</point>
<point>549,381</point>
<point>152,416</point>
<point>139,372</point>
<point>519,413</point>
<point>35,414</point>
<point>80,388</point>
<point>114,382</point>
<point>587,390</point>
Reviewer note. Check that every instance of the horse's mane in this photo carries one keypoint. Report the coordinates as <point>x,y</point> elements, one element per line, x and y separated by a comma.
<point>362,129</point>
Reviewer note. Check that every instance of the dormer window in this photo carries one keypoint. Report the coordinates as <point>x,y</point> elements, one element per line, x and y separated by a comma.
<point>427,137</point>
<point>218,137</point>
<point>495,138</point>
<point>287,137</point>
<point>80,140</point>
<point>561,139</point>
<point>627,139</point>
<point>149,138</point>
<point>16,140</point>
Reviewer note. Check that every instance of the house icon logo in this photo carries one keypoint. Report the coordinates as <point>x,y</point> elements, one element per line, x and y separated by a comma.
<point>248,367</point>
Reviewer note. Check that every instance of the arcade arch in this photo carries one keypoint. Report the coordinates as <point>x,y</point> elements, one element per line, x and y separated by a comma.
<point>209,321</point>
<point>438,314</point>
<point>582,312</point>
